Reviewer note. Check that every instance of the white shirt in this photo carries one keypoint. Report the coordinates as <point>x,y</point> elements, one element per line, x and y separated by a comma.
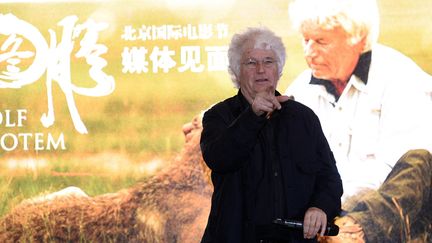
<point>372,125</point>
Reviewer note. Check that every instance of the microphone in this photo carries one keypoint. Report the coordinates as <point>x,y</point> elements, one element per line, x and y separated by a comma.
<point>331,229</point>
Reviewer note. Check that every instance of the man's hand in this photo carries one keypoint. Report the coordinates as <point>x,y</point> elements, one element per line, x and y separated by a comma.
<point>314,220</point>
<point>266,102</point>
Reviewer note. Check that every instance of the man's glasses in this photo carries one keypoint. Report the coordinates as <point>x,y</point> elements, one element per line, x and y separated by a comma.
<point>253,63</point>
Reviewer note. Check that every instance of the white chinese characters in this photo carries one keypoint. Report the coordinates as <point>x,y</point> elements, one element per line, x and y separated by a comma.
<point>54,59</point>
<point>194,58</point>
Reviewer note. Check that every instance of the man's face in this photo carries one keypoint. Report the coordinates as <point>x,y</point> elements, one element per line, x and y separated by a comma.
<point>329,53</point>
<point>258,71</point>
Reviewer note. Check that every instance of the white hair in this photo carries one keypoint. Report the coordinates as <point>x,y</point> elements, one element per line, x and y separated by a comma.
<point>359,18</point>
<point>259,38</point>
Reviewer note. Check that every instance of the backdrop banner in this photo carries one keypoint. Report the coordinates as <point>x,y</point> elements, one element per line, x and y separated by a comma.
<point>95,96</point>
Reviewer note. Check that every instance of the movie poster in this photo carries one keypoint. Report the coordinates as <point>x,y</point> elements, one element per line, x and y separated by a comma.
<point>95,95</point>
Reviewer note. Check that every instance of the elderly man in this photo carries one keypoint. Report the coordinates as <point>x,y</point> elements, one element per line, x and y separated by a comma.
<point>268,155</point>
<point>375,105</point>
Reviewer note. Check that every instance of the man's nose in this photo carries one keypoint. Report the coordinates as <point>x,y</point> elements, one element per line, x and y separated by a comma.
<point>260,67</point>
<point>310,49</point>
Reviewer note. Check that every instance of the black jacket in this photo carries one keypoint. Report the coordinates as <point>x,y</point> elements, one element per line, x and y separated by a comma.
<point>234,144</point>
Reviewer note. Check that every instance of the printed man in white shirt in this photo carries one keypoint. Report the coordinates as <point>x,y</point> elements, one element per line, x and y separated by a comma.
<point>375,106</point>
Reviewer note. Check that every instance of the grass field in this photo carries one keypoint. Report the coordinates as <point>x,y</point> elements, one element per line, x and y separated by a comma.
<point>137,129</point>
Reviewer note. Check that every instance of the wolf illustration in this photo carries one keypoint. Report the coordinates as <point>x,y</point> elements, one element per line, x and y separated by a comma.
<point>171,206</point>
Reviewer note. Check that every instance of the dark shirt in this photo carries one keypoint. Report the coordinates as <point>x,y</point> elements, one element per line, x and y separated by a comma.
<point>263,169</point>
